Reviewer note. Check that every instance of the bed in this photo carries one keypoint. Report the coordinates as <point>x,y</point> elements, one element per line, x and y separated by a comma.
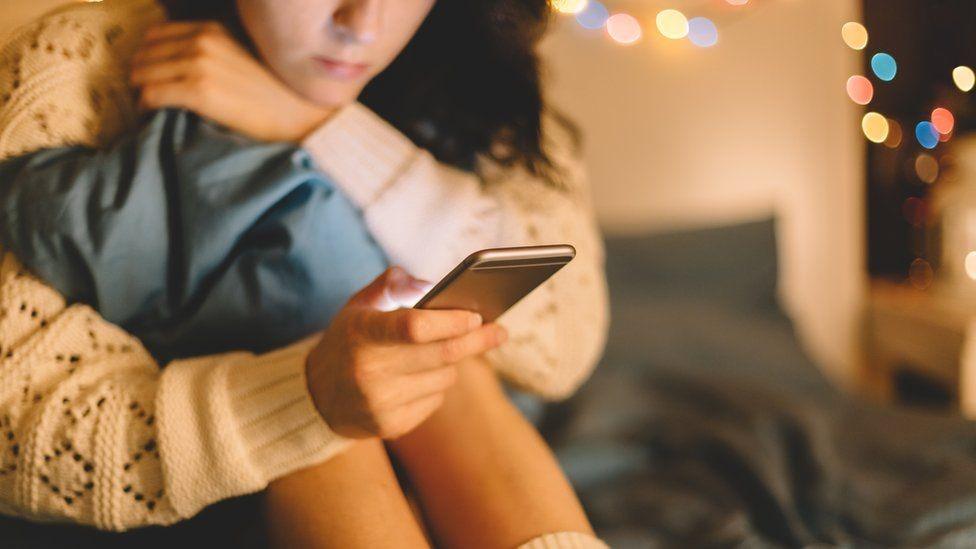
<point>707,426</point>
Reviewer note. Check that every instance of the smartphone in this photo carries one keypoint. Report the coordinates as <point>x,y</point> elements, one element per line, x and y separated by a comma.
<point>490,281</point>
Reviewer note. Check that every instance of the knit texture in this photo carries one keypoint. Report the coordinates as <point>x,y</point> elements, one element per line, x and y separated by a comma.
<point>557,333</point>
<point>91,431</point>
<point>94,432</point>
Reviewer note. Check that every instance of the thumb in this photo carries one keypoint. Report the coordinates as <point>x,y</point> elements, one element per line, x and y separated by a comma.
<point>387,291</point>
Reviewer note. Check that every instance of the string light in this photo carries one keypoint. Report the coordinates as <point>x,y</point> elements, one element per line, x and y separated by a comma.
<point>860,89</point>
<point>623,28</point>
<point>943,121</point>
<point>568,6</point>
<point>875,127</point>
<point>926,168</point>
<point>927,135</point>
<point>884,66</point>
<point>672,24</point>
<point>594,16</point>
<point>920,274</point>
<point>894,134</point>
<point>971,265</point>
<point>854,35</point>
<point>702,32</point>
<point>964,77</point>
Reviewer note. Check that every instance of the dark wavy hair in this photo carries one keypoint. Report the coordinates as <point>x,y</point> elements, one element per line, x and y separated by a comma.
<point>468,84</point>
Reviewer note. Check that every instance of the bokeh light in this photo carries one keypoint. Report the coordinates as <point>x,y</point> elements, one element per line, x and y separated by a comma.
<point>920,274</point>
<point>860,89</point>
<point>884,66</point>
<point>894,134</point>
<point>594,16</point>
<point>927,135</point>
<point>854,35</point>
<point>914,211</point>
<point>672,24</point>
<point>875,127</point>
<point>702,32</point>
<point>964,77</point>
<point>568,6</point>
<point>623,28</point>
<point>971,265</point>
<point>927,168</point>
<point>943,120</point>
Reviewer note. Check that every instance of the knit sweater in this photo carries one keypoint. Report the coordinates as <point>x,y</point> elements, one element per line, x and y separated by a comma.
<point>95,432</point>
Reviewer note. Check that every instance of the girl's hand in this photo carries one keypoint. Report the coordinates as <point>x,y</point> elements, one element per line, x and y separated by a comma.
<point>199,66</point>
<point>377,373</point>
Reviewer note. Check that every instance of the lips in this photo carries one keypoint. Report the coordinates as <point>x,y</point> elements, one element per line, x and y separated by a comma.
<point>341,69</point>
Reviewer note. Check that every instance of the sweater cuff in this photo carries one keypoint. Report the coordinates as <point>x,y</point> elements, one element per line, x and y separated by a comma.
<point>564,540</point>
<point>361,151</point>
<point>238,421</point>
<point>280,428</point>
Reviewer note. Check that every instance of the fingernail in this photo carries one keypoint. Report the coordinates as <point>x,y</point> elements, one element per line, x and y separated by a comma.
<point>474,321</point>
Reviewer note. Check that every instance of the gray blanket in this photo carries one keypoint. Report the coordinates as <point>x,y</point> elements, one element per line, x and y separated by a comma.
<point>706,426</point>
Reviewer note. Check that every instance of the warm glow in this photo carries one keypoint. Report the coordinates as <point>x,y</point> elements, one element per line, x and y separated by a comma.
<point>860,89</point>
<point>672,24</point>
<point>964,77</point>
<point>875,127</point>
<point>926,168</point>
<point>920,274</point>
<point>854,35</point>
<point>738,2</point>
<point>568,6</point>
<point>971,265</point>
<point>623,28</point>
<point>894,134</point>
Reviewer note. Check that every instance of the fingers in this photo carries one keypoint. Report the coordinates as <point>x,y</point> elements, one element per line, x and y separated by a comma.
<point>426,383</point>
<point>454,350</point>
<point>161,51</point>
<point>419,326</point>
<point>165,71</point>
<point>374,294</point>
<point>412,415</point>
<point>182,94</point>
<point>180,30</point>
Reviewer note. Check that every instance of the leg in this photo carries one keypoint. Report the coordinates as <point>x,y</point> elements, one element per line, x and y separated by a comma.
<point>484,476</point>
<point>352,500</point>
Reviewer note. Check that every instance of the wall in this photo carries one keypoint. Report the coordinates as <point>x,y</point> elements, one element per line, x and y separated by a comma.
<point>680,136</point>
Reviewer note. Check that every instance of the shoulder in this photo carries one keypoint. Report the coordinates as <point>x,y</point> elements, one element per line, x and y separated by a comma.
<point>68,66</point>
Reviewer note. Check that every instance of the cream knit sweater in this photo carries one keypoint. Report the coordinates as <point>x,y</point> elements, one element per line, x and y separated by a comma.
<point>93,431</point>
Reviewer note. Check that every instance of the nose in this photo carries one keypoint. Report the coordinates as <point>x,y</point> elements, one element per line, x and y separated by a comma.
<point>358,20</point>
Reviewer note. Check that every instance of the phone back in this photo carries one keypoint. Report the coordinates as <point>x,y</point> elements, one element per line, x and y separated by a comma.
<point>492,281</point>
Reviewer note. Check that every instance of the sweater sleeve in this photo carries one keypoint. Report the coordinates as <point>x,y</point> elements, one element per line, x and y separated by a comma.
<point>94,433</point>
<point>428,216</point>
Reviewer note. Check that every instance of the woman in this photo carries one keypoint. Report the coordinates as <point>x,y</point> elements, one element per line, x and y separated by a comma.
<point>160,88</point>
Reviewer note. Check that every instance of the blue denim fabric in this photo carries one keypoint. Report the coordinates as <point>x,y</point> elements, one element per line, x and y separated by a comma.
<point>195,239</point>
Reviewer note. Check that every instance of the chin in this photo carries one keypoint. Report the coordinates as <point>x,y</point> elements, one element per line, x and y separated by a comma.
<point>332,96</point>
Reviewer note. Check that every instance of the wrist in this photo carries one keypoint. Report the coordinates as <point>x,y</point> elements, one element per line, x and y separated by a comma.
<point>307,118</point>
